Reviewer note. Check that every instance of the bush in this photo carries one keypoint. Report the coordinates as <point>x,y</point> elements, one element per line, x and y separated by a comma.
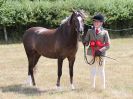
<point>18,15</point>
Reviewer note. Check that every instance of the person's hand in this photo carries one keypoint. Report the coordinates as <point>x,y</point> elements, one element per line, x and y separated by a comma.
<point>98,53</point>
<point>86,43</point>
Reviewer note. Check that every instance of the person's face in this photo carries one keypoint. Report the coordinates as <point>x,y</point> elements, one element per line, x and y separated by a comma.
<point>97,23</point>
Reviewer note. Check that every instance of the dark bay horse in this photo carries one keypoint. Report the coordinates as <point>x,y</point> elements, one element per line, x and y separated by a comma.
<point>57,43</point>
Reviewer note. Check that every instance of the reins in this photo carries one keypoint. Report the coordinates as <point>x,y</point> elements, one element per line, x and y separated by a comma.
<point>94,58</point>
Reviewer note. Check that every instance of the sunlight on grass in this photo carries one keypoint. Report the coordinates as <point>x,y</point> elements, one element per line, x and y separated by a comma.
<point>119,75</point>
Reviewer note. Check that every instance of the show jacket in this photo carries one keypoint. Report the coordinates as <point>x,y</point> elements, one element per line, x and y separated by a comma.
<point>102,36</point>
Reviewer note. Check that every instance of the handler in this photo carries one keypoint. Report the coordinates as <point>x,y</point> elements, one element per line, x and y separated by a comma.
<point>99,42</point>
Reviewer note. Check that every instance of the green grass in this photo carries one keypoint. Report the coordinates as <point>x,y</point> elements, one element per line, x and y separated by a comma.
<point>119,75</point>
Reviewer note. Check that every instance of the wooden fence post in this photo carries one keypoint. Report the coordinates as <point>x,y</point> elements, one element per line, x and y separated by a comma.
<point>5,33</point>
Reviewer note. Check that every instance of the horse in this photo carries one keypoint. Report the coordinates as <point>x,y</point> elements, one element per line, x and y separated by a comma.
<point>59,43</point>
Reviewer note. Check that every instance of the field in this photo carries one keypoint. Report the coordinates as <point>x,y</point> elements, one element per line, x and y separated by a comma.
<point>119,75</point>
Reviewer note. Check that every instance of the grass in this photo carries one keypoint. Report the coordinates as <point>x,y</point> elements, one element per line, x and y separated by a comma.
<point>119,75</point>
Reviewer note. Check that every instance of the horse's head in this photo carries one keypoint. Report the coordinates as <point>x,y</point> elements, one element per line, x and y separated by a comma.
<point>77,21</point>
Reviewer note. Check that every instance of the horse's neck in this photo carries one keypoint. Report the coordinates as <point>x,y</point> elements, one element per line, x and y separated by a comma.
<point>74,35</point>
<point>69,33</point>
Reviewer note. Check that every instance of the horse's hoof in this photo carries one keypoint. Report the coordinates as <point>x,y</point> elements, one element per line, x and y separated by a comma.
<point>29,81</point>
<point>72,87</point>
<point>58,88</point>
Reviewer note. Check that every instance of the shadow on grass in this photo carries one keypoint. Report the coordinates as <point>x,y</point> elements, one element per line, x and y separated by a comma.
<point>20,89</point>
<point>31,91</point>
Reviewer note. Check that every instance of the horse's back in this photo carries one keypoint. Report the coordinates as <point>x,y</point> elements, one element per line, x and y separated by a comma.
<point>41,40</point>
<point>35,32</point>
<point>30,35</point>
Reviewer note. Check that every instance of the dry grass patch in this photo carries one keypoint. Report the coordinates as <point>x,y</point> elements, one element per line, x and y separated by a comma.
<point>119,75</point>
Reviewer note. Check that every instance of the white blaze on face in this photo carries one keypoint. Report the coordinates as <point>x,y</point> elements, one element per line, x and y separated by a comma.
<point>80,23</point>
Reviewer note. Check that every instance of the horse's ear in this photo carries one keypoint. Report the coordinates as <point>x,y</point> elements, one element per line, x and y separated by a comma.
<point>73,11</point>
<point>72,16</point>
<point>70,21</point>
<point>83,13</point>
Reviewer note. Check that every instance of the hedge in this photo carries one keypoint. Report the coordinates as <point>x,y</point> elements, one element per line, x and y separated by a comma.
<point>18,15</point>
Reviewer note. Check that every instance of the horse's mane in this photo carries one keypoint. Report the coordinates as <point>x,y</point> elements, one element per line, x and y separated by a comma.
<point>64,23</point>
<point>65,20</point>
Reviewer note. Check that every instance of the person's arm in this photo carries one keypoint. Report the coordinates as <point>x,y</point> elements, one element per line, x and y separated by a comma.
<point>107,42</point>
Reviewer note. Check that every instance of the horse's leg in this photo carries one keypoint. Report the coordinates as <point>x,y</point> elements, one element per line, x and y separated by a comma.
<point>33,57</point>
<point>60,61</point>
<point>71,64</point>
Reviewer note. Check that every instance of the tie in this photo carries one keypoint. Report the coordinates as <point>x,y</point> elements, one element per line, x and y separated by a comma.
<point>97,31</point>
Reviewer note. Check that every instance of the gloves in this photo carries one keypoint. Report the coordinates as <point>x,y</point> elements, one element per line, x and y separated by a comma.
<point>98,53</point>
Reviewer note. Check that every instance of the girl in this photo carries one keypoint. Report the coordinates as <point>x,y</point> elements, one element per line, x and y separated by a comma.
<point>99,42</point>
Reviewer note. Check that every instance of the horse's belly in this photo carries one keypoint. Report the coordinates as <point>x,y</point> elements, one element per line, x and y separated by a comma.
<point>55,55</point>
<point>50,55</point>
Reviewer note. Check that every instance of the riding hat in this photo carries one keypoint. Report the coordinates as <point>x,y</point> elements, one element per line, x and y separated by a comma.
<point>98,17</point>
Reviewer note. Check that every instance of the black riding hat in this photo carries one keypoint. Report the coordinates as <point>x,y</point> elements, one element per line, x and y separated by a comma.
<point>98,17</point>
